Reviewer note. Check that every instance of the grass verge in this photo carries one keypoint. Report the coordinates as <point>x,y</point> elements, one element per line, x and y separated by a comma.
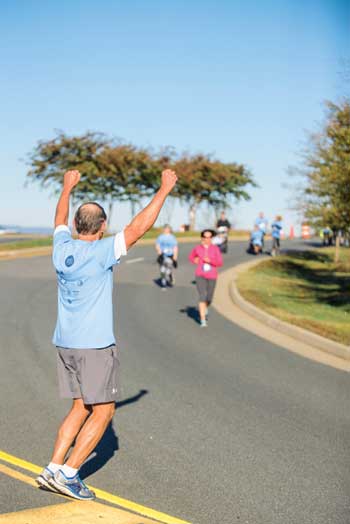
<point>150,235</point>
<point>304,288</point>
<point>25,244</point>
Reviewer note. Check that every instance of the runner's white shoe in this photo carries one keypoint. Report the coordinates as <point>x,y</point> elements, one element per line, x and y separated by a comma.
<point>43,480</point>
<point>73,487</point>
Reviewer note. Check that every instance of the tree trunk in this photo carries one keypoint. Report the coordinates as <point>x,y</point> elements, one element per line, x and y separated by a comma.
<point>337,248</point>
<point>133,208</point>
<point>109,215</point>
<point>168,210</point>
<point>192,216</point>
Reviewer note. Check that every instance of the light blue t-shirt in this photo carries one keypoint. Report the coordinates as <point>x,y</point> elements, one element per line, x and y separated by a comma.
<point>167,243</point>
<point>276,229</point>
<point>256,237</point>
<point>262,224</point>
<point>85,283</point>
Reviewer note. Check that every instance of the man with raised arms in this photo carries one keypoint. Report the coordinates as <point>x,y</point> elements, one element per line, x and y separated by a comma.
<point>87,352</point>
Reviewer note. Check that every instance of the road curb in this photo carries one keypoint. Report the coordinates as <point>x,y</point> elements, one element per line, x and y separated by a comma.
<point>307,337</point>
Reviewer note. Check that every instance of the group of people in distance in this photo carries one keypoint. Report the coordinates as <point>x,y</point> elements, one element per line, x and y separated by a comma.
<point>206,257</point>
<point>257,237</point>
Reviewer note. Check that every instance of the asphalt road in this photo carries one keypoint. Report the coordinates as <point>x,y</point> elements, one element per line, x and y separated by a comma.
<point>215,426</point>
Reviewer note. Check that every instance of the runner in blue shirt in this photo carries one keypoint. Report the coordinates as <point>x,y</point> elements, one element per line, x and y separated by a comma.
<point>166,243</point>
<point>87,354</point>
<point>167,249</point>
<point>256,240</point>
<point>276,230</point>
<point>262,223</point>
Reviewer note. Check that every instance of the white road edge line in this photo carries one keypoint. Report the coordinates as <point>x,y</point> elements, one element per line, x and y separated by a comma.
<point>134,260</point>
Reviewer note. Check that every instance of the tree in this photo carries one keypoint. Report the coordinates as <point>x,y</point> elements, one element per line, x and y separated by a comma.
<point>110,171</point>
<point>325,193</point>
<point>120,171</point>
<point>51,158</point>
<point>203,179</point>
<point>128,173</point>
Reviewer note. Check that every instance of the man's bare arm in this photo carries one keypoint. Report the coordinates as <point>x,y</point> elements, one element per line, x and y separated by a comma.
<point>70,180</point>
<point>147,217</point>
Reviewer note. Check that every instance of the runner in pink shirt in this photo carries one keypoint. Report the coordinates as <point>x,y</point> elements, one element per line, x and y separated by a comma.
<point>207,258</point>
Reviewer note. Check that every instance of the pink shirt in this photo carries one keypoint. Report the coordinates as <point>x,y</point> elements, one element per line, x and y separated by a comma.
<point>204,269</point>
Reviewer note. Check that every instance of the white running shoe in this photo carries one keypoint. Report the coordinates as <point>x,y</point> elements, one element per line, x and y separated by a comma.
<point>43,480</point>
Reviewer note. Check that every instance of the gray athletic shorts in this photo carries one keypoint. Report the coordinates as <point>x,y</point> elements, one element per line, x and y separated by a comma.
<point>90,374</point>
<point>205,287</point>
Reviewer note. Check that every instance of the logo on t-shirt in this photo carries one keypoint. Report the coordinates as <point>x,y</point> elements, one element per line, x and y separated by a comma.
<point>69,261</point>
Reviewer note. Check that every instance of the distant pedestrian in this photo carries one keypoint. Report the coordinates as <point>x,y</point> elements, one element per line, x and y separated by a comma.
<point>256,240</point>
<point>327,236</point>
<point>262,224</point>
<point>276,231</point>
<point>87,355</point>
<point>223,221</point>
<point>223,227</point>
<point>168,250</point>
<point>207,257</point>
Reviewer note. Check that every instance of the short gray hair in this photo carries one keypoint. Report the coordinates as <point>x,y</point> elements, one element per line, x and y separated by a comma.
<point>89,218</point>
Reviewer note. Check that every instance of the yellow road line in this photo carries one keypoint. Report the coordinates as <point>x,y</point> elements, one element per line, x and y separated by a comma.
<point>15,461</point>
<point>75,512</point>
<point>104,495</point>
<point>17,475</point>
<point>23,478</point>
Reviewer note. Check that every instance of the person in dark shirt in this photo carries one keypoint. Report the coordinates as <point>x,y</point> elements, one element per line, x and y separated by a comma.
<point>223,222</point>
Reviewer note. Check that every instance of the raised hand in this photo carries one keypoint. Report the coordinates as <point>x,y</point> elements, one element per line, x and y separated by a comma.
<point>71,179</point>
<point>169,180</point>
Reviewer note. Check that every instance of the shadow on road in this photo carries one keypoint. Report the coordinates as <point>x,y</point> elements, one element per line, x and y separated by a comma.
<point>314,243</point>
<point>191,312</point>
<point>131,400</point>
<point>158,282</point>
<point>109,443</point>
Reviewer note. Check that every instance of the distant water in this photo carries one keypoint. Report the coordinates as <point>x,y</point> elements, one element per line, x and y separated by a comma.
<point>27,230</point>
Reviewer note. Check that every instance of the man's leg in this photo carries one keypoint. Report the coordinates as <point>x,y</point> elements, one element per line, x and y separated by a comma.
<point>98,379</point>
<point>91,433</point>
<point>69,429</point>
<point>67,432</point>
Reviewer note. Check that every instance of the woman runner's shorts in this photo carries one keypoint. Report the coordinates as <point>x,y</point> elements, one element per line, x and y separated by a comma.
<point>89,374</point>
<point>205,288</point>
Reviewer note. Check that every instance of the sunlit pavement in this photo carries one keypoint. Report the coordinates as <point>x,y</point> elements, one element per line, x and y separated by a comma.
<point>214,426</point>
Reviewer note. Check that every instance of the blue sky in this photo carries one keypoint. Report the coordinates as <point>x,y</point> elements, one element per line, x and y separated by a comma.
<point>242,80</point>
